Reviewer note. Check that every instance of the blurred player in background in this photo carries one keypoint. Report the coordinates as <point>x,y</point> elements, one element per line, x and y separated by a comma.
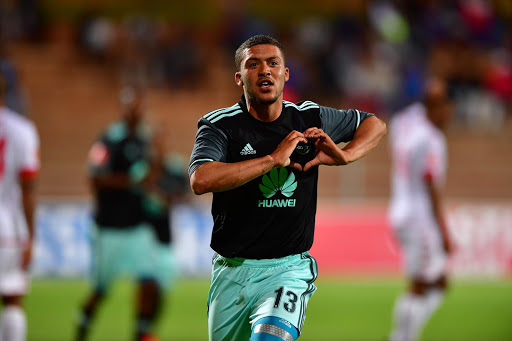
<point>19,168</point>
<point>260,159</point>
<point>416,211</point>
<point>121,162</point>
<point>169,185</point>
<point>14,93</point>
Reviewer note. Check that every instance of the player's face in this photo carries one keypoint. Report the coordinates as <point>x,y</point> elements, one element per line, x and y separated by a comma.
<point>445,114</point>
<point>441,111</point>
<point>440,106</point>
<point>262,74</point>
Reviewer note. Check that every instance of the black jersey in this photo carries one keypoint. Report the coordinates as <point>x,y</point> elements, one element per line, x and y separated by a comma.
<point>273,215</point>
<point>118,152</point>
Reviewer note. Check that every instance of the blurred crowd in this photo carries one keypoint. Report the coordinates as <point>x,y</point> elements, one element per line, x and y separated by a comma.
<point>375,59</point>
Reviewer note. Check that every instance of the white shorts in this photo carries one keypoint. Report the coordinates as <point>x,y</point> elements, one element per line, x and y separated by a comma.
<point>13,279</point>
<point>424,257</point>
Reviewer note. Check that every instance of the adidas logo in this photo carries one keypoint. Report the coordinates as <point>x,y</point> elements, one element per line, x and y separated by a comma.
<point>247,150</point>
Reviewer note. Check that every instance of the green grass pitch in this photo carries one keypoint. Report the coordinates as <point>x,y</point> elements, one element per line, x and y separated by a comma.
<point>341,309</point>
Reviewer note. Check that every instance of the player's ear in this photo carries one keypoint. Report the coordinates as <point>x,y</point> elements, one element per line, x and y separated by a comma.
<point>286,74</point>
<point>238,79</point>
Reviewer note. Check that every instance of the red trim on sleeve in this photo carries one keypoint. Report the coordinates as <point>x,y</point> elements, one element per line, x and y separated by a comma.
<point>28,174</point>
<point>428,177</point>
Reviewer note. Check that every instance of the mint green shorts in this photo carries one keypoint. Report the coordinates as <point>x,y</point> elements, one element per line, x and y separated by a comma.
<point>165,265</point>
<point>126,252</point>
<point>244,290</point>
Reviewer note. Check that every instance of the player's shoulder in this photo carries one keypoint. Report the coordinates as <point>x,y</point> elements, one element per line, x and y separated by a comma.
<point>17,123</point>
<point>14,119</point>
<point>410,117</point>
<point>115,131</point>
<point>118,131</point>
<point>222,115</point>
<point>413,111</point>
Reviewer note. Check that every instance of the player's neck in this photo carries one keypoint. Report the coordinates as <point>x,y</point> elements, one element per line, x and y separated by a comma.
<point>439,124</point>
<point>265,112</point>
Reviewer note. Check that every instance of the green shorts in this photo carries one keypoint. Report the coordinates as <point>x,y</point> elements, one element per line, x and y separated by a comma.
<point>123,252</point>
<point>244,290</point>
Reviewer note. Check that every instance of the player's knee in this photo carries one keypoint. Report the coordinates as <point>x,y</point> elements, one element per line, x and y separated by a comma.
<point>273,329</point>
<point>16,300</point>
<point>418,287</point>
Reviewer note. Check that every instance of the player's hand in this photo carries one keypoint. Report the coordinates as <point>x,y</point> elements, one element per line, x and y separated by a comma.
<point>284,150</point>
<point>26,256</point>
<point>327,152</point>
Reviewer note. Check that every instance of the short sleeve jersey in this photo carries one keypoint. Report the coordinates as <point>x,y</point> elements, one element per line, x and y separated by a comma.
<point>116,151</point>
<point>273,215</point>
<point>418,156</point>
<point>19,158</point>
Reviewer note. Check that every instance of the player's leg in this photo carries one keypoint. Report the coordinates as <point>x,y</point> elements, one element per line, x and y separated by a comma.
<point>87,313</point>
<point>13,286</point>
<point>228,310</point>
<point>152,290</point>
<point>273,328</point>
<point>409,312</point>
<point>425,262</point>
<point>13,322</point>
<point>104,270</point>
<point>429,295</point>
<point>279,311</point>
<point>414,308</point>
<point>406,305</point>
<point>149,297</point>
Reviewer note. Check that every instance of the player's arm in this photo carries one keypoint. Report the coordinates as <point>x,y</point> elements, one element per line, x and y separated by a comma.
<point>27,177</point>
<point>156,157</point>
<point>28,194</point>
<point>437,207</point>
<point>433,178</point>
<point>366,137</point>
<point>209,171</point>
<point>215,176</point>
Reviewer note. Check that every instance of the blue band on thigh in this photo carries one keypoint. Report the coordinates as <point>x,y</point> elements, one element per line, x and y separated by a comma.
<point>273,328</point>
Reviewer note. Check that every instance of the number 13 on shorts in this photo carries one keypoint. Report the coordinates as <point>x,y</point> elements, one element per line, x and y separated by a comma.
<point>290,302</point>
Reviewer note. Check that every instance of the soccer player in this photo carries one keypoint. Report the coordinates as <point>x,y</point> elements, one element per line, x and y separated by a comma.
<point>170,186</point>
<point>120,162</point>
<point>419,164</point>
<point>260,159</point>
<point>19,168</point>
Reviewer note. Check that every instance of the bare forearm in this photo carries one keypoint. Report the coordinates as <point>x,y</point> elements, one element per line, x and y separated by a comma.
<point>29,205</point>
<point>437,208</point>
<point>366,137</point>
<point>218,176</point>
